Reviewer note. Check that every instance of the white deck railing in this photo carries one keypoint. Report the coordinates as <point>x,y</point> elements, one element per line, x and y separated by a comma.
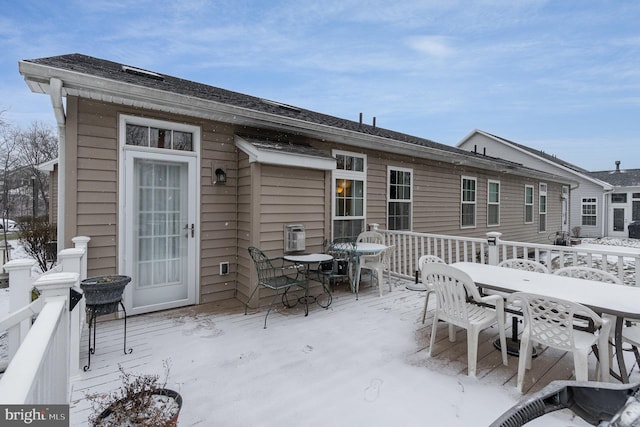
<point>42,355</point>
<point>408,247</point>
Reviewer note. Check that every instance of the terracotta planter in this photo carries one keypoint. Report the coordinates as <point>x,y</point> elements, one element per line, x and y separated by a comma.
<point>105,417</point>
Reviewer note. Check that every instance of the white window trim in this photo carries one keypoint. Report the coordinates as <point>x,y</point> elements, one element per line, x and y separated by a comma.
<point>532,204</point>
<point>125,119</point>
<point>582,215</point>
<point>489,182</point>
<point>474,203</point>
<point>542,193</point>
<point>409,201</point>
<point>354,175</point>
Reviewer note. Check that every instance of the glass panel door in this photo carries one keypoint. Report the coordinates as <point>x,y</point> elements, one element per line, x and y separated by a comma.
<point>160,227</point>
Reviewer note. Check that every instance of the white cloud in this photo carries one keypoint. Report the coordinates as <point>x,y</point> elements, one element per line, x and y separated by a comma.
<point>433,46</point>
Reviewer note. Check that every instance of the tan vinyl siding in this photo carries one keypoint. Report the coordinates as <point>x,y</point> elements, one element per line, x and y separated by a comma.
<point>92,199</point>
<point>218,224</point>
<point>245,272</point>
<point>95,191</point>
<point>436,199</point>
<point>284,195</point>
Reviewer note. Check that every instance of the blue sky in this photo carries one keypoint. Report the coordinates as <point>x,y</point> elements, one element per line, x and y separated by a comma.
<point>560,76</point>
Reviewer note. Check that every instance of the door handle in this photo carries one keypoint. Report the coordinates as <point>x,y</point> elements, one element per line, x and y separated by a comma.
<point>193,231</point>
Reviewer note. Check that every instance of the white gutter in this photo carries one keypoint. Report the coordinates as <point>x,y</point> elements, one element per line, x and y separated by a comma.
<point>58,110</point>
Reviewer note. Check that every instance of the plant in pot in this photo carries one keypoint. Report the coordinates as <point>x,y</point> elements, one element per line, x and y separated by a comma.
<point>104,292</point>
<point>141,400</point>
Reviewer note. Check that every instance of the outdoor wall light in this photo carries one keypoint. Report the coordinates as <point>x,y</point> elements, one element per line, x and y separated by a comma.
<point>221,176</point>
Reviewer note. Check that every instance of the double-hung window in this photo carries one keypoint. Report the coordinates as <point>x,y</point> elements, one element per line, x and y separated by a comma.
<point>542,207</point>
<point>635,207</point>
<point>528,204</point>
<point>493,202</point>
<point>399,198</point>
<point>349,189</point>
<point>589,211</point>
<point>468,202</point>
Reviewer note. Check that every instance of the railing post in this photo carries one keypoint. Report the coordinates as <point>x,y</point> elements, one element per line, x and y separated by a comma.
<point>493,243</point>
<point>56,286</point>
<point>20,286</point>
<point>82,242</point>
<point>71,261</point>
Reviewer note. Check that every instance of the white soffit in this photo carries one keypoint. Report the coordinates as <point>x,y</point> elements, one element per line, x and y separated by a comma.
<point>269,153</point>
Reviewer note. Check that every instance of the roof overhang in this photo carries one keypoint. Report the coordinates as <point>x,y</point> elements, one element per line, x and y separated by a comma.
<point>605,186</point>
<point>38,77</point>
<point>267,152</point>
<point>48,166</point>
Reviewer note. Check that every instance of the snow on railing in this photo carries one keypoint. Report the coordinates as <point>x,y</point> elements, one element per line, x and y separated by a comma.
<point>408,247</point>
<point>43,355</point>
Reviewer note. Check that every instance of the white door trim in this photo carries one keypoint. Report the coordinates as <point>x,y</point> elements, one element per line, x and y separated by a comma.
<point>125,165</point>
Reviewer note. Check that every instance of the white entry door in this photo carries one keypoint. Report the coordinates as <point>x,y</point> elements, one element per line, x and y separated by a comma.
<point>160,231</point>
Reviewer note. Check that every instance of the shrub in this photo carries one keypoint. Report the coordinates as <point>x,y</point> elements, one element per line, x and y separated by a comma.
<point>38,238</point>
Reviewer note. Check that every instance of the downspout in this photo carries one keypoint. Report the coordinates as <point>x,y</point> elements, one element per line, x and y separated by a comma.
<point>55,93</point>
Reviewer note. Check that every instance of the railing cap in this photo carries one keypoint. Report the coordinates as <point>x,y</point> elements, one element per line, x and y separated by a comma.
<point>56,279</point>
<point>19,264</point>
<point>71,253</point>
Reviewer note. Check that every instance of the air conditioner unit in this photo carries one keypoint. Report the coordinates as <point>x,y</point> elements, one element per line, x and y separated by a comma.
<point>294,238</point>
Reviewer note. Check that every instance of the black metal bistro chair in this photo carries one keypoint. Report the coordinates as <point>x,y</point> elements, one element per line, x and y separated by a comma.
<point>278,274</point>
<point>336,270</point>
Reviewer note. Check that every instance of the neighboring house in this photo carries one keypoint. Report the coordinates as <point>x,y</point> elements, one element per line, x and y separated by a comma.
<point>173,180</point>
<point>584,201</point>
<point>624,201</point>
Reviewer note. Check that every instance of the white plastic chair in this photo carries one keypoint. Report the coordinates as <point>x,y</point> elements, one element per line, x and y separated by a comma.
<point>451,288</point>
<point>375,262</point>
<point>588,273</point>
<point>551,322</point>
<point>524,264</point>
<point>631,335</point>
<point>424,259</point>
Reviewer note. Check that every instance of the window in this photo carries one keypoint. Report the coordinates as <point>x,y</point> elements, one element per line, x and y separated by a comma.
<point>493,203</point>
<point>635,207</point>
<point>155,137</point>
<point>528,204</point>
<point>349,189</point>
<point>542,207</point>
<point>468,202</point>
<point>399,198</point>
<point>619,198</point>
<point>589,211</point>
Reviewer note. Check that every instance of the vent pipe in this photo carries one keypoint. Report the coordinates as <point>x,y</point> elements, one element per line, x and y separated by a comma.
<point>360,118</point>
<point>374,122</point>
<point>617,165</point>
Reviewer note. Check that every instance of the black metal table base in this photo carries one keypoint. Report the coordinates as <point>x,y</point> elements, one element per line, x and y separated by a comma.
<point>95,311</point>
<point>513,343</point>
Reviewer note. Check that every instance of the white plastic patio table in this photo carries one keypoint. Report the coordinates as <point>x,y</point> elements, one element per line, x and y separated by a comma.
<point>308,259</point>
<point>618,300</point>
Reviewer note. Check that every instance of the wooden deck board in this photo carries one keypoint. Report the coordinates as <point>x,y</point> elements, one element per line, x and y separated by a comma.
<point>156,333</point>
